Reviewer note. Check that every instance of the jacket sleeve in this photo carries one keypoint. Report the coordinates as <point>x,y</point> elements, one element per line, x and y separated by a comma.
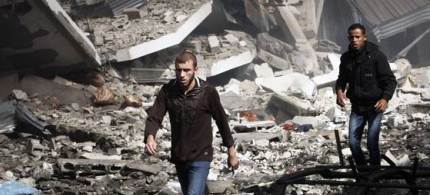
<point>341,79</point>
<point>156,114</point>
<point>217,112</point>
<point>386,79</point>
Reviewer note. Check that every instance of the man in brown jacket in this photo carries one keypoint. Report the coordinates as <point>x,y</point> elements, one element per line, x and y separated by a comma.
<point>191,104</point>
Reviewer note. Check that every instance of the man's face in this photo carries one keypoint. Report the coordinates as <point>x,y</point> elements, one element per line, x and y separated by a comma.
<point>356,38</point>
<point>185,72</point>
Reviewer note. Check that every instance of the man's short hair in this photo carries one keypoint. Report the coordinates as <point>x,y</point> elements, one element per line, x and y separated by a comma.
<point>355,26</point>
<point>186,55</point>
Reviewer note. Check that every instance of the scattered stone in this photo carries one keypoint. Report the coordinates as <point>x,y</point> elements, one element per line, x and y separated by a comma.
<point>45,171</point>
<point>99,156</point>
<point>231,38</point>
<point>220,187</point>
<point>133,13</point>
<point>139,166</point>
<point>214,43</point>
<point>19,95</point>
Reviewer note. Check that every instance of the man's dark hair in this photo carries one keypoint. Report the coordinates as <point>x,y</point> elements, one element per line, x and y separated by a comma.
<point>185,56</point>
<point>355,26</point>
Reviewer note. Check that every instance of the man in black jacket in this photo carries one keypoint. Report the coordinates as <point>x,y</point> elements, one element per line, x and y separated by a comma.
<point>369,83</point>
<point>191,104</point>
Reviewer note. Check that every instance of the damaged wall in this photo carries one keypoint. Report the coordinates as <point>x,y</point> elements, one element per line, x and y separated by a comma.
<point>38,34</point>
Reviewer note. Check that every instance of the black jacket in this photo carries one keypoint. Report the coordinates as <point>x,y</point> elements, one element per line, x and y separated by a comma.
<point>190,119</point>
<point>368,75</point>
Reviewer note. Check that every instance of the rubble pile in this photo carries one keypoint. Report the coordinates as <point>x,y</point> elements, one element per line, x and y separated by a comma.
<point>101,149</point>
<point>158,18</point>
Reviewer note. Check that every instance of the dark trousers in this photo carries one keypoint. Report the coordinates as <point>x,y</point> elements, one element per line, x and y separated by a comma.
<point>357,122</point>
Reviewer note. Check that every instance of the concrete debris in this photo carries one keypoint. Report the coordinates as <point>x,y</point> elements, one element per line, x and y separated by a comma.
<point>30,35</point>
<point>403,68</point>
<point>263,71</point>
<point>327,46</point>
<point>291,28</point>
<point>126,40</point>
<point>214,44</point>
<point>95,156</point>
<point>257,14</point>
<point>152,169</point>
<point>296,106</point>
<point>45,171</point>
<point>274,51</point>
<point>19,95</point>
<point>315,122</point>
<point>331,77</point>
<point>253,126</point>
<point>118,6</point>
<point>402,161</point>
<point>220,187</point>
<point>290,84</point>
<point>87,2</point>
<point>160,68</point>
<point>38,87</point>
<point>232,39</point>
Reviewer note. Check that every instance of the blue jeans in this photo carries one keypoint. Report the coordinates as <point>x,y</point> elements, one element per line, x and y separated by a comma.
<point>192,176</point>
<point>357,122</point>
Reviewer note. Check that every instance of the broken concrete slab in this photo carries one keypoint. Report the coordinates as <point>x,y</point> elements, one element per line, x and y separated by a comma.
<point>249,126</point>
<point>304,120</point>
<point>403,68</point>
<point>274,51</point>
<point>98,165</point>
<point>309,17</point>
<point>141,166</point>
<point>150,75</point>
<point>35,148</point>
<point>231,39</point>
<point>232,62</point>
<point>167,40</point>
<point>214,43</point>
<point>257,14</point>
<point>327,46</point>
<point>45,36</point>
<point>236,102</point>
<point>263,71</point>
<point>220,187</point>
<point>30,84</point>
<point>96,156</point>
<point>290,84</point>
<point>292,30</point>
<point>248,137</point>
<point>425,96</point>
<point>19,95</point>
<point>329,78</point>
<point>285,107</point>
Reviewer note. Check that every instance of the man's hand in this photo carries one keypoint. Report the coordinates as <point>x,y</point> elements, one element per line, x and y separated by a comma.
<point>151,145</point>
<point>381,105</point>
<point>232,159</point>
<point>340,98</point>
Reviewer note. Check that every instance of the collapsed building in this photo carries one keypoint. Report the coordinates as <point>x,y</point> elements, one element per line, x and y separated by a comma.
<point>84,72</point>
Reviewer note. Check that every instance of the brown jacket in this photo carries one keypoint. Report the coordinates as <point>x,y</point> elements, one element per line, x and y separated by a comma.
<point>190,119</point>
